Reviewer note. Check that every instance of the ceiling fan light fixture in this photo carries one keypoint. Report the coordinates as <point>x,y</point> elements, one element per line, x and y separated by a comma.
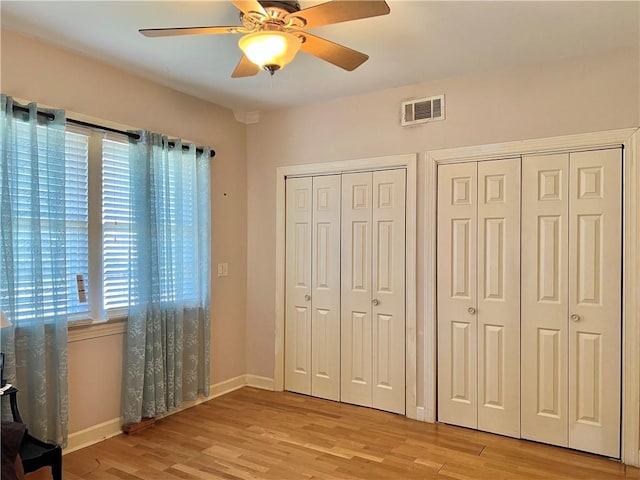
<point>270,50</point>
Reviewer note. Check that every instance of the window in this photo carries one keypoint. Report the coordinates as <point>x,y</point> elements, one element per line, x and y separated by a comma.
<point>77,215</point>
<point>116,241</point>
<point>98,242</point>
<point>73,170</point>
<point>178,280</point>
<point>180,203</point>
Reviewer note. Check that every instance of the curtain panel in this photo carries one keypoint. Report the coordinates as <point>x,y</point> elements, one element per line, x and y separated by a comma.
<point>168,333</point>
<point>33,271</point>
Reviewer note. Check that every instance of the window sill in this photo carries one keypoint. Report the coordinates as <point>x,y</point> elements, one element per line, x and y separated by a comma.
<point>78,333</point>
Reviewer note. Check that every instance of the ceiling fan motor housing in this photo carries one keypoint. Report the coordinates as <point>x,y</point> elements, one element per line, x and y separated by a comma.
<point>277,12</point>
<point>289,7</point>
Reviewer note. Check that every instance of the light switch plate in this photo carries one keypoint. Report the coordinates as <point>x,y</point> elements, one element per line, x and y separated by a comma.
<point>223,269</point>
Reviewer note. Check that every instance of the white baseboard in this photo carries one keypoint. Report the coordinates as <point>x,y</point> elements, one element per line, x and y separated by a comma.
<point>227,386</point>
<point>93,434</point>
<point>265,383</point>
<point>111,428</point>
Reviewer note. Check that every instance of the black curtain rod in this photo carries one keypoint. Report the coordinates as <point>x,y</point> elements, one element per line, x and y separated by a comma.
<point>135,136</point>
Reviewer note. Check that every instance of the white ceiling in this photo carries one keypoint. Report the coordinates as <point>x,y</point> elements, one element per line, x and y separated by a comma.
<point>418,41</point>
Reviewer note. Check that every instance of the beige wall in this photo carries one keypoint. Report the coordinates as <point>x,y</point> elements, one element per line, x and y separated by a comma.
<point>577,96</point>
<point>39,72</point>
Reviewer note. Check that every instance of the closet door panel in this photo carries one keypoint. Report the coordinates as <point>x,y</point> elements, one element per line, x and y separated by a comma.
<point>595,301</point>
<point>545,187</point>
<point>298,285</point>
<point>325,296</point>
<point>388,284</point>
<point>356,326</point>
<point>456,294</point>
<point>498,304</point>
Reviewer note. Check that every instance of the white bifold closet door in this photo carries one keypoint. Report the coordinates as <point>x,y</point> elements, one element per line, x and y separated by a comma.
<point>373,290</point>
<point>312,316</point>
<point>478,295</point>
<point>571,303</point>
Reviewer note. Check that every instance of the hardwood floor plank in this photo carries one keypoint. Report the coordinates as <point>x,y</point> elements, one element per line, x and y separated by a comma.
<point>632,472</point>
<point>256,434</point>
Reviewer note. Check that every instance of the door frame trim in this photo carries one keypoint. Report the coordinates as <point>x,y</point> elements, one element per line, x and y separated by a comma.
<point>406,161</point>
<point>629,138</point>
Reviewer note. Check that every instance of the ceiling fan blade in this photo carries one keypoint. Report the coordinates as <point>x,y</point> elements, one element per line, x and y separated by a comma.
<point>173,32</point>
<point>246,6</point>
<point>245,68</point>
<point>339,55</point>
<point>340,11</point>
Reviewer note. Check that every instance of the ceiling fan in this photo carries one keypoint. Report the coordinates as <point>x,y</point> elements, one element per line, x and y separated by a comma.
<point>274,31</point>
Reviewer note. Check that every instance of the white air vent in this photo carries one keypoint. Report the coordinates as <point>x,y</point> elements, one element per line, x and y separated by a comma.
<point>422,110</point>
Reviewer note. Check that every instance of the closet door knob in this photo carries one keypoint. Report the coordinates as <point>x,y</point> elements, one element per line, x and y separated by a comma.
<point>375,302</point>
<point>575,317</point>
<point>471,310</point>
<point>307,297</point>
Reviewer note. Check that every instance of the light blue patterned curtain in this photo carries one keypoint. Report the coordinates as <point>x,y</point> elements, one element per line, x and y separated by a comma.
<point>33,276</point>
<point>167,344</point>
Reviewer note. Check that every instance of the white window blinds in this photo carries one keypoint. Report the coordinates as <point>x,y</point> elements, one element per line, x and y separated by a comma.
<point>180,276</point>
<point>77,215</point>
<point>34,225</point>
<point>116,240</point>
<point>187,211</point>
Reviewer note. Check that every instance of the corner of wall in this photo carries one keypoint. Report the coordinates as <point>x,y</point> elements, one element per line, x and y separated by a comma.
<point>247,118</point>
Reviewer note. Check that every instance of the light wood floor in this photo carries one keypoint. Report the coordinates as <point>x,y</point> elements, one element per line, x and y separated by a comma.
<point>253,433</point>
